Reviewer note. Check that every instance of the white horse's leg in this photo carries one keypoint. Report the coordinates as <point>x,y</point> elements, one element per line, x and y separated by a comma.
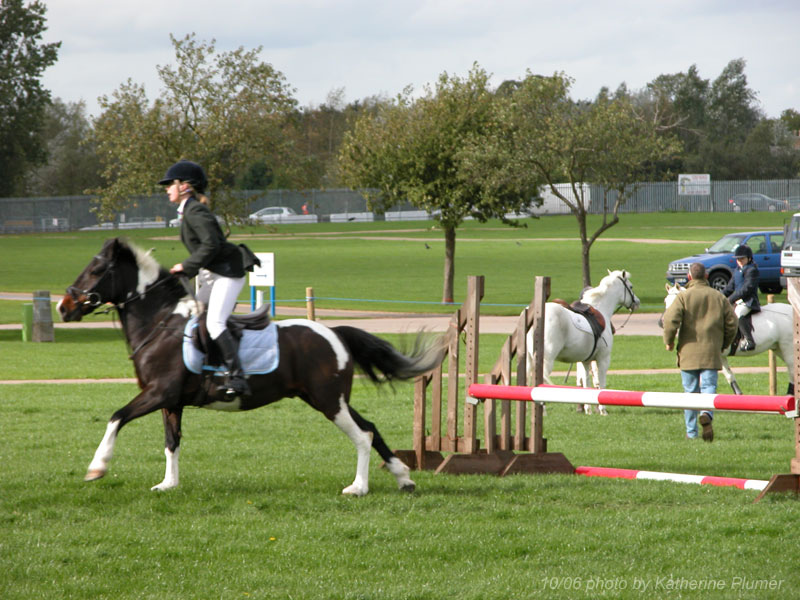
<point>599,372</point>
<point>99,465</point>
<point>596,381</point>
<point>730,377</point>
<point>171,474</point>
<point>786,351</point>
<point>362,440</point>
<point>582,380</point>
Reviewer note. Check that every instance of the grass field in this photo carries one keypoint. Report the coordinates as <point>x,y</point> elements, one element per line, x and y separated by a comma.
<point>390,261</point>
<point>259,512</point>
<point>259,515</point>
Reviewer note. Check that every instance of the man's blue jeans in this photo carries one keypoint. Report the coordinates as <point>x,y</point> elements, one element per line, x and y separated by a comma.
<point>702,381</point>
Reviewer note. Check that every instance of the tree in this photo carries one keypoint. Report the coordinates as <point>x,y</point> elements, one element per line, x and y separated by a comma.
<point>224,111</point>
<point>716,121</point>
<point>791,119</point>
<point>563,141</point>
<point>72,166</point>
<point>23,59</point>
<point>411,150</point>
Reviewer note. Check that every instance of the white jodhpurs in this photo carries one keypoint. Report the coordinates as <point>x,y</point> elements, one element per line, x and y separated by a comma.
<point>741,309</point>
<point>219,294</point>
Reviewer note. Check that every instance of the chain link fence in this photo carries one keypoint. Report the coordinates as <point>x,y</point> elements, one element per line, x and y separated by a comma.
<point>69,213</point>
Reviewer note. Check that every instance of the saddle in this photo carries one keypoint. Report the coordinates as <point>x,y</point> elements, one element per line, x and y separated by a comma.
<point>236,324</point>
<point>594,317</point>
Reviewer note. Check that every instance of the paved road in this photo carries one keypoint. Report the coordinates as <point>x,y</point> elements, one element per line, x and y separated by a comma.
<point>384,322</point>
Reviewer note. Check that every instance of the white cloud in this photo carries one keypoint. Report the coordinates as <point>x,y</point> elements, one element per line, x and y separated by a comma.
<point>370,47</point>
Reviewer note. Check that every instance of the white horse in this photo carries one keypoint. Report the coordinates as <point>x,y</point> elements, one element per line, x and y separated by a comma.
<point>772,330</point>
<point>569,339</point>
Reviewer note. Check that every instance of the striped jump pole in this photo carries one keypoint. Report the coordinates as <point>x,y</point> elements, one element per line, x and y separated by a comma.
<point>742,484</point>
<point>783,405</point>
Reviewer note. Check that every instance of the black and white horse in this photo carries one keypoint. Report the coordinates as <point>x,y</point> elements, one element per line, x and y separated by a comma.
<point>316,363</point>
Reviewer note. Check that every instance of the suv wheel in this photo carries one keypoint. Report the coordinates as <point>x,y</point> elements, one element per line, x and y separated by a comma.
<point>718,280</point>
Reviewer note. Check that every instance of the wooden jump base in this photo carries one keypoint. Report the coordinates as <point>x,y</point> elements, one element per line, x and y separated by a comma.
<point>742,484</point>
<point>577,395</point>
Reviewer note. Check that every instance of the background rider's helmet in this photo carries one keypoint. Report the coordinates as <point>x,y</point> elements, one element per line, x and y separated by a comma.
<point>742,250</point>
<point>188,171</point>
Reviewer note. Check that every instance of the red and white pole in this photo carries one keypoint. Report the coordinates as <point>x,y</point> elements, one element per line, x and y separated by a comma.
<point>576,395</point>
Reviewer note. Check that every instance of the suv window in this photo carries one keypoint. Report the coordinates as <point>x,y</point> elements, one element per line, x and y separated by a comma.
<point>758,244</point>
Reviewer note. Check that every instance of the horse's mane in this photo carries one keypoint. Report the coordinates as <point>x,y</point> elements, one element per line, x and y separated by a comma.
<point>594,293</point>
<point>150,270</point>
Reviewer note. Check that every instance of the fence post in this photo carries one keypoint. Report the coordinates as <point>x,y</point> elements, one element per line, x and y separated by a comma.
<point>27,322</point>
<point>310,314</point>
<point>42,317</point>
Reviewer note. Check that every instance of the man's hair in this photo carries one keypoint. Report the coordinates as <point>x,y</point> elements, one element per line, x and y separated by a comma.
<point>697,270</point>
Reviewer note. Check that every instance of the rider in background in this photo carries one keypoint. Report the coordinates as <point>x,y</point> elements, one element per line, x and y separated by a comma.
<point>218,264</point>
<point>742,292</point>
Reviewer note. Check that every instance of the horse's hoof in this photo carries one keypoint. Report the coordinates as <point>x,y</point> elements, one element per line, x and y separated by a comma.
<point>408,487</point>
<point>161,488</point>
<point>94,475</point>
<point>353,490</point>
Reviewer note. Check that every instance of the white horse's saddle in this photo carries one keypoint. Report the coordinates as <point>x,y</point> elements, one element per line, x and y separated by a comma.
<point>586,318</point>
<point>258,350</point>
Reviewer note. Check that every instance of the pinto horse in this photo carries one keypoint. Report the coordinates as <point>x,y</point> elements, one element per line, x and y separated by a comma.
<point>316,363</point>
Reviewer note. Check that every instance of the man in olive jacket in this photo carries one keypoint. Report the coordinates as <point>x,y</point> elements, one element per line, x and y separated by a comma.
<point>705,324</point>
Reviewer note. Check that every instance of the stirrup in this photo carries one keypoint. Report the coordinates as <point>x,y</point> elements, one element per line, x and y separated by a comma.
<point>236,386</point>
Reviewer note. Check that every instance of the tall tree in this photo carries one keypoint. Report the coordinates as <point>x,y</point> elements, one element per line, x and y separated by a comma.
<point>221,110</point>
<point>563,141</point>
<point>23,59</point>
<point>411,151</point>
<point>72,167</point>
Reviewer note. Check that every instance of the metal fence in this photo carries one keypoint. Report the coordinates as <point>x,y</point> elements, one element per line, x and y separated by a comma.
<point>69,213</point>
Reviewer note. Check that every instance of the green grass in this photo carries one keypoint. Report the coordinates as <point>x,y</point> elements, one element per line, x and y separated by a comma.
<point>259,515</point>
<point>357,262</point>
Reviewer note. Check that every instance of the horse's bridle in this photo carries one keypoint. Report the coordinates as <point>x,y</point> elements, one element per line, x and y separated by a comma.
<point>93,297</point>
<point>628,290</point>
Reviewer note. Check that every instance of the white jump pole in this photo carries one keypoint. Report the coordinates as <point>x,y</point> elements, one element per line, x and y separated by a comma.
<point>784,405</point>
<point>742,484</point>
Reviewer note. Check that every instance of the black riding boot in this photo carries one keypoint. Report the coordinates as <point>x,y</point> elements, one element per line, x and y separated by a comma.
<point>235,381</point>
<point>747,335</point>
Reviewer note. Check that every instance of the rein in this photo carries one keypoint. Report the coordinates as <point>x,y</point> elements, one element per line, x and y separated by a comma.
<point>628,290</point>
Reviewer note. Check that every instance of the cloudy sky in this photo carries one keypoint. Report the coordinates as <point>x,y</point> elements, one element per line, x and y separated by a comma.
<point>370,47</point>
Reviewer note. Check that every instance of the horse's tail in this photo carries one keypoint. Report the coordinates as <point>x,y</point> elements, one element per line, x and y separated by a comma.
<point>372,353</point>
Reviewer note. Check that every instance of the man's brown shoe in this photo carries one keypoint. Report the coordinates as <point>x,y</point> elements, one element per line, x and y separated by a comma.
<point>708,430</point>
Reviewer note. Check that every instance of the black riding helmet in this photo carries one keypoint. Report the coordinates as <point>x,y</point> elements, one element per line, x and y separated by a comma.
<point>742,250</point>
<point>188,171</point>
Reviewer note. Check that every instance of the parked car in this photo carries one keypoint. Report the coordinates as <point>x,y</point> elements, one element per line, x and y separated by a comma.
<point>755,202</point>
<point>720,263</point>
<point>272,214</point>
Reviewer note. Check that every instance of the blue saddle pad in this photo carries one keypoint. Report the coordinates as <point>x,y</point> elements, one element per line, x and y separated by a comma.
<point>258,350</point>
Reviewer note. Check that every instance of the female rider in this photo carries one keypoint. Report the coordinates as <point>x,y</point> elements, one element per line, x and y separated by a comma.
<point>218,264</point>
<point>742,292</point>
